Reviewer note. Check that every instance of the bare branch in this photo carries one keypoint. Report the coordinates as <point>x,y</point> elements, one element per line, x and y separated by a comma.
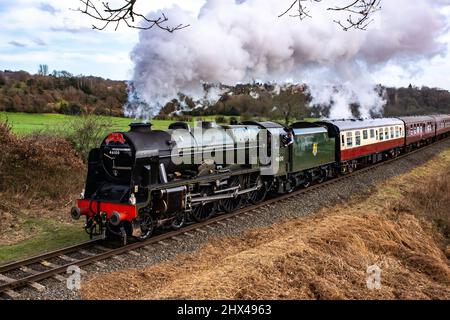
<point>125,14</point>
<point>360,12</point>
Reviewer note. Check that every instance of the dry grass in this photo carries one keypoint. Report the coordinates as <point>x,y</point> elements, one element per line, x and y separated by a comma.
<point>321,257</point>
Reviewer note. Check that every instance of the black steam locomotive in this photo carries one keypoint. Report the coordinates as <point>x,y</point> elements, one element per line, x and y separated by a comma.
<point>145,179</point>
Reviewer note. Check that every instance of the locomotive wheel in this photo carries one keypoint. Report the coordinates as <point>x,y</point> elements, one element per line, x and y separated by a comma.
<point>147,227</point>
<point>179,221</point>
<point>290,185</point>
<point>203,211</point>
<point>259,195</point>
<point>323,176</point>
<point>231,204</point>
<point>308,181</point>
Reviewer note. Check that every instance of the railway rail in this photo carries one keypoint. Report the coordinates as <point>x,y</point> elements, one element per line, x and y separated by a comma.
<point>94,251</point>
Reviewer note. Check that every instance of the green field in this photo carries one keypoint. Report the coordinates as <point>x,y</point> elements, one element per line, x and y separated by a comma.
<point>50,235</point>
<point>27,123</point>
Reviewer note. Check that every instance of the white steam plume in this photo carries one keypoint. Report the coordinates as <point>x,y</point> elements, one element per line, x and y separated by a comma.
<point>237,41</point>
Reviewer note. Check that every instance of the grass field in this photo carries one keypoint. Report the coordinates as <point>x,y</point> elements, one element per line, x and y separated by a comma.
<point>49,235</point>
<point>27,123</point>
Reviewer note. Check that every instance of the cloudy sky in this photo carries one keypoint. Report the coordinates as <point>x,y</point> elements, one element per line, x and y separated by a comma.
<point>37,32</point>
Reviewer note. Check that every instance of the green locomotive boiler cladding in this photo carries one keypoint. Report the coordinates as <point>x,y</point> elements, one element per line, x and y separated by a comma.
<point>312,147</point>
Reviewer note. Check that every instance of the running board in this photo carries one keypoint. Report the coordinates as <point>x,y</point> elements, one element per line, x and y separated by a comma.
<point>225,196</point>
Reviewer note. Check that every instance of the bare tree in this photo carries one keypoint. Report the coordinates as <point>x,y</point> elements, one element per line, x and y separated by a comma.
<point>360,12</point>
<point>43,70</point>
<point>124,14</point>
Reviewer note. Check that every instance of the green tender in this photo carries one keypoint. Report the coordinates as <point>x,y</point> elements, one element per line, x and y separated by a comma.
<point>311,148</point>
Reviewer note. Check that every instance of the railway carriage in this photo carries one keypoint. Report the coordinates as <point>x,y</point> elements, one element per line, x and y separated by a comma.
<point>365,141</point>
<point>442,125</point>
<point>418,130</point>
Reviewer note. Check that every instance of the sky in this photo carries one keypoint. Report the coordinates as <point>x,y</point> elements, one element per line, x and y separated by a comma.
<point>50,32</point>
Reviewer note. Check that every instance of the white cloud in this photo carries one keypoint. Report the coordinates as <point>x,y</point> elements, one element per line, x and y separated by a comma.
<point>51,32</point>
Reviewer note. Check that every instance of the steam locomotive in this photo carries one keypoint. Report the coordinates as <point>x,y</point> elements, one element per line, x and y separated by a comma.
<point>144,179</point>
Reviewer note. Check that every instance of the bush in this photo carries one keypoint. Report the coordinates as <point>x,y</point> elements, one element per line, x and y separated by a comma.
<point>87,132</point>
<point>70,108</point>
<point>184,118</point>
<point>246,117</point>
<point>221,119</point>
<point>38,167</point>
<point>101,111</point>
<point>162,117</point>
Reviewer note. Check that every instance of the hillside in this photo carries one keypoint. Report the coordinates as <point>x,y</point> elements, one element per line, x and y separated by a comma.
<point>60,92</point>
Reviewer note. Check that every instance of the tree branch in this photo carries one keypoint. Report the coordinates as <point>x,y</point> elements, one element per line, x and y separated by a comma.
<point>125,14</point>
<point>360,12</point>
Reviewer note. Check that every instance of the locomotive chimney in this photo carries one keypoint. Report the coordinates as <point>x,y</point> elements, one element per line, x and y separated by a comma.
<point>140,127</point>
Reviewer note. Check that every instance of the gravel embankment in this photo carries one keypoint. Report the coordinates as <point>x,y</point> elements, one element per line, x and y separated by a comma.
<point>300,206</point>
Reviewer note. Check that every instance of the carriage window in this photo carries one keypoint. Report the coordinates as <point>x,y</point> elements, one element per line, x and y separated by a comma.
<point>358,138</point>
<point>392,132</point>
<point>372,133</point>
<point>386,134</point>
<point>381,135</point>
<point>365,135</point>
<point>349,139</point>
<point>397,132</point>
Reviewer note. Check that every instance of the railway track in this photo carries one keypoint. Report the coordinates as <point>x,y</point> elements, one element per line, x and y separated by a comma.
<point>29,272</point>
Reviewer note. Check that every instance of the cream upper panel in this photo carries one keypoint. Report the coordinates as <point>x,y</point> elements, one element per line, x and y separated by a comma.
<point>362,137</point>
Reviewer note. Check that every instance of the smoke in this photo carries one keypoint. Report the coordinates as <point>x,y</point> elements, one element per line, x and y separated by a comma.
<point>231,42</point>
